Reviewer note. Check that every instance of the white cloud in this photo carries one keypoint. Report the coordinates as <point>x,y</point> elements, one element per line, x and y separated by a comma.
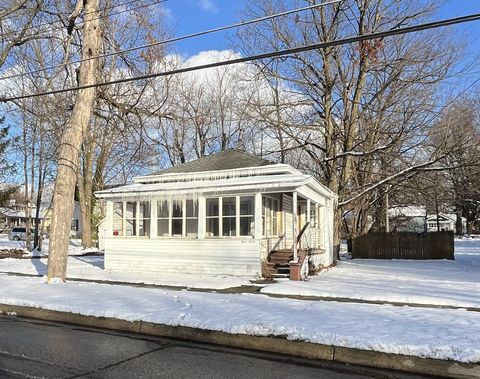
<point>208,5</point>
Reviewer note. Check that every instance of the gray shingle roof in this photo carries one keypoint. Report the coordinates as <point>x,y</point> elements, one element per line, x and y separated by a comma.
<point>224,160</point>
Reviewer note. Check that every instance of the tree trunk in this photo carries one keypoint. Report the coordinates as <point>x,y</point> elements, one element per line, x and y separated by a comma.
<point>458,223</point>
<point>84,183</point>
<point>72,138</point>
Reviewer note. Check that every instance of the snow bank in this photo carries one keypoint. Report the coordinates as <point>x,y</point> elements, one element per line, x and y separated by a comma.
<point>432,333</point>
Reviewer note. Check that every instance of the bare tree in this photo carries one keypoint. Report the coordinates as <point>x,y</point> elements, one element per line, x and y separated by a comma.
<point>73,135</point>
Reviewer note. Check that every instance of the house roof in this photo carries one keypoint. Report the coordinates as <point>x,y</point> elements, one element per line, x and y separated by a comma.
<point>224,160</point>
<point>407,211</point>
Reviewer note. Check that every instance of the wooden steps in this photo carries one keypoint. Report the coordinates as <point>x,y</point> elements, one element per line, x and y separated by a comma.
<point>279,262</point>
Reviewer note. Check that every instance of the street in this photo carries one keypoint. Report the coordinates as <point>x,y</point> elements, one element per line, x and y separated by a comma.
<point>36,349</point>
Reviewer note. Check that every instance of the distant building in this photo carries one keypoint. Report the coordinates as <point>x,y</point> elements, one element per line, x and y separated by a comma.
<point>14,214</point>
<point>409,218</point>
<point>446,221</point>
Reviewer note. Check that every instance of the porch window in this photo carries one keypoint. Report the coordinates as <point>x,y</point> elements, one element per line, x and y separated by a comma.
<point>271,208</point>
<point>118,219</point>
<point>229,217</point>
<point>213,217</point>
<point>313,216</point>
<point>247,215</point>
<point>177,218</point>
<point>162,219</point>
<point>144,219</point>
<point>191,218</point>
<point>130,218</point>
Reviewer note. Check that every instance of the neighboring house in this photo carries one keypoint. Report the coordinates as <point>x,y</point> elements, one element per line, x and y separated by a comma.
<point>75,225</point>
<point>14,215</point>
<point>407,218</point>
<point>446,221</point>
<point>227,213</point>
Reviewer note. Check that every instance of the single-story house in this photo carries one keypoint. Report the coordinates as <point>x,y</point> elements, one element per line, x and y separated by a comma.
<point>226,213</point>
<point>407,218</point>
<point>446,221</point>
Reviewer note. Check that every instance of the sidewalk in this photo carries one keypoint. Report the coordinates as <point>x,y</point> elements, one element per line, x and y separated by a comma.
<point>403,338</point>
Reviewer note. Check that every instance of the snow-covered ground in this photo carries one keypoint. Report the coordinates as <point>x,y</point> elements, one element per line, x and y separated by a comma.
<point>75,246</point>
<point>443,282</point>
<point>434,333</point>
<point>91,267</point>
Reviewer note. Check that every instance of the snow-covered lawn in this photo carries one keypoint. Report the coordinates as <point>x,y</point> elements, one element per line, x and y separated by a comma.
<point>75,246</point>
<point>91,267</point>
<point>455,283</point>
<point>434,333</point>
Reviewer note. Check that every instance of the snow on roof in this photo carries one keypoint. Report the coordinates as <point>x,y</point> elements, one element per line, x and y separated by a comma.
<point>12,213</point>
<point>407,211</point>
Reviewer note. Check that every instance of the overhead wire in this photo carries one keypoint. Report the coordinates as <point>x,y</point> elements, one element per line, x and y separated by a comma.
<point>272,54</point>
<point>176,39</point>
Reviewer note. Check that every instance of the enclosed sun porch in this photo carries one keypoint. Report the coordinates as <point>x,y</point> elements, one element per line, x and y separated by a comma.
<point>249,221</point>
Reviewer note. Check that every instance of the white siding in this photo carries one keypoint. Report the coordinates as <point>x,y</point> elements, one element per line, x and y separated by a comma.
<point>209,256</point>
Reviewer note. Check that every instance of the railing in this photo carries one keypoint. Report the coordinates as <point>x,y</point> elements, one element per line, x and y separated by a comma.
<point>277,244</point>
<point>302,232</point>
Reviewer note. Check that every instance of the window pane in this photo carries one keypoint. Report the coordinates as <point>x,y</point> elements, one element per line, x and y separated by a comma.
<point>228,206</point>
<point>246,226</point>
<point>192,208</point>
<point>131,211</point>
<point>247,206</point>
<point>130,227</point>
<point>144,227</point>
<point>212,227</point>
<point>144,211</point>
<point>212,207</point>
<point>177,208</point>
<point>162,209</point>
<point>162,225</point>
<point>176,227</point>
<point>192,227</point>
<point>229,226</point>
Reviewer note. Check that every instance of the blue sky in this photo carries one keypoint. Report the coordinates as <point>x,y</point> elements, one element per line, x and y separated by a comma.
<point>188,16</point>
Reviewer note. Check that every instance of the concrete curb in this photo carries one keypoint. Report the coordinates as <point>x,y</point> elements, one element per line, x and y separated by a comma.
<point>411,364</point>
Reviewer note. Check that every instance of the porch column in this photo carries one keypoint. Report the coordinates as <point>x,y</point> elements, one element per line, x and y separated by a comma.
<point>294,223</point>
<point>258,217</point>
<point>201,217</point>
<point>153,219</point>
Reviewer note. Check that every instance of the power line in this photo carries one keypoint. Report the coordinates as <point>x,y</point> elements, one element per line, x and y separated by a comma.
<point>273,54</point>
<point>84,14</point>
<point>176,39</point>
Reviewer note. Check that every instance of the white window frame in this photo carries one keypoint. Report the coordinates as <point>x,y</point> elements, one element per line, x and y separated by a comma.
<point>237,217</point>
<point>184,218</point>
<point>268,215</point>
<point>136,218</point>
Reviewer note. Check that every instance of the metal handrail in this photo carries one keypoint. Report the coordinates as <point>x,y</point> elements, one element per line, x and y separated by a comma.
<point>280,239</point>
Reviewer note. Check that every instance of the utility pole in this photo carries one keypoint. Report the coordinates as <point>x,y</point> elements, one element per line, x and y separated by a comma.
<point>72,138</point>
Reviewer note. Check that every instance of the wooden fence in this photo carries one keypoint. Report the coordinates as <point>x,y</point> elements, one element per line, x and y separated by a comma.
<point>404,245</point>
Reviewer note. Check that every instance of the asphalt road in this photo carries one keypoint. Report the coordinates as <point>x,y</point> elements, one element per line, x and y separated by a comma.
<point>35,349</point>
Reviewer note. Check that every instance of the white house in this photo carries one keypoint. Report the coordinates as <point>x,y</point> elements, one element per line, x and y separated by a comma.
<point>226,213</point>
<point>446,221</point>
<point>407,218</point>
